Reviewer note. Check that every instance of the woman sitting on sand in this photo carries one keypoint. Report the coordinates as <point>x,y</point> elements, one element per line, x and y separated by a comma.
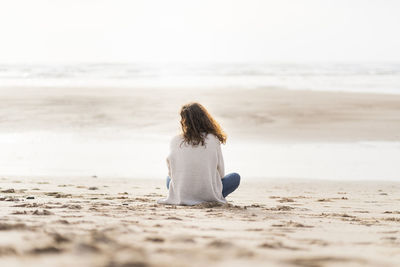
<point>196,170</point>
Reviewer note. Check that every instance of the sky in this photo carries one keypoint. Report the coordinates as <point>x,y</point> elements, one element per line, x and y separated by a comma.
<point>37,31</point>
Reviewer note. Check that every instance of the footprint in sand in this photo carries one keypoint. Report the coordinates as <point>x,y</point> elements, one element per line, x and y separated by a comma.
<point>343,215</point>
<point>132,263</point>
<point>58,238</point>
<point>8,226</point>
<point>51,194</point>
<point>46,250</point>
<point>220,244</point>
<point>13,199</point>
<point>392,219</point>
<point>277,245</point>
<point>281,208</point>
<point>87,248</point>
<point>155,239</point>
<point>285,199</point>
<point>184,239</point>
<point>62,221</point>
<point>19,212</point>
<point>324,200</point>
<point>292,224</point>
<point>43,212</point>
<point>26,205</point>
<point>392,212</point>
<point>322,261</point>
<point>173,218</point>
<point>73,207</point>
<point>255,229</point>
<point>141,199</point>
<point>8,191</point>
<point>317,242</point>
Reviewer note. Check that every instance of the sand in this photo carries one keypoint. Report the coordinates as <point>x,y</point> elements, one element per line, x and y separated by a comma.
<point>86,220</point>
<point>263,114</point>
<point>99,222</point>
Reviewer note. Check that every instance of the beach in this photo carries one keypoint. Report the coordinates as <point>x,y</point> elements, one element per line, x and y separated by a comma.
<point>116,222</point>
<point>82,168</point>
<point>94,96</point>
<point>277,115</point>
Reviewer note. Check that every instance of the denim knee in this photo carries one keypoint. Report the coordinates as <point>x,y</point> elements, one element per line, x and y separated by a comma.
<point>236,177</point>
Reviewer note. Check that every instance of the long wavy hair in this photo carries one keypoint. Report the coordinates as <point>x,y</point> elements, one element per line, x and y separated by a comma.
<point>196,123</point>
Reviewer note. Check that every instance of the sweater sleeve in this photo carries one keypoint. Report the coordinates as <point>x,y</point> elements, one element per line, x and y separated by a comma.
<point>220,166</point>
<point>171,146</point>
<point>169,168</point>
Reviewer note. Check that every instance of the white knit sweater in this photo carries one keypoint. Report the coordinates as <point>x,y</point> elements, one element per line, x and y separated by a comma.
<point>195,172</point>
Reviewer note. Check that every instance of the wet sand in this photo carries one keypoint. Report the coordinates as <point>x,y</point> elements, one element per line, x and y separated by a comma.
<point>263,114</point>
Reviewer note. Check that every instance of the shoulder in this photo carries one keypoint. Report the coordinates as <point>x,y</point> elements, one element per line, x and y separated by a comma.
<point>212,139</point>
<point>177,139</point>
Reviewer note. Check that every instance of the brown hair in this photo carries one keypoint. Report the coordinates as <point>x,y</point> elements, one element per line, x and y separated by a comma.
<point>197,123</point>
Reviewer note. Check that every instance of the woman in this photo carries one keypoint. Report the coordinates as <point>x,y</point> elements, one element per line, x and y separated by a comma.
<point>196,171</point>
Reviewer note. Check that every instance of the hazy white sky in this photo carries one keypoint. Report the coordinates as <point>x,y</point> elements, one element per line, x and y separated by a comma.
<point>199,30</point>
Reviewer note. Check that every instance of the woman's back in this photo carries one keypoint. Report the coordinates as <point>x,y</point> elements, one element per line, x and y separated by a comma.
<point>195,172</point>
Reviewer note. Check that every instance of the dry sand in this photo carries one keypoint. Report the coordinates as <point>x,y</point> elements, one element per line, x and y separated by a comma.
<point>96,222</point>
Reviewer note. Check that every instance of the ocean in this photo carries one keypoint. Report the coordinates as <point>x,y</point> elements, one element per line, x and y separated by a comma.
<point>347,77</point>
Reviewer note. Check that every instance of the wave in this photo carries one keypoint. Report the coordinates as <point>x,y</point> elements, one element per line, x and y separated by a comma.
<point>367,77</point>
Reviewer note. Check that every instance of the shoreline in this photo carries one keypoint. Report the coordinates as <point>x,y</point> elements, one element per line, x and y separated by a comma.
<point>261,114</point>
<point>55,155</point>
<point>187,88</point>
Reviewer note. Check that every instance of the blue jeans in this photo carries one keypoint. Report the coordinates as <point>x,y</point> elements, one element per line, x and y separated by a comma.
<point>229,183</point>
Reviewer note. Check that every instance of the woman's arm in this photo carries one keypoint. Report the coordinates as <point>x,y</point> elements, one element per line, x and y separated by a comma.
<point>220,165</point>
